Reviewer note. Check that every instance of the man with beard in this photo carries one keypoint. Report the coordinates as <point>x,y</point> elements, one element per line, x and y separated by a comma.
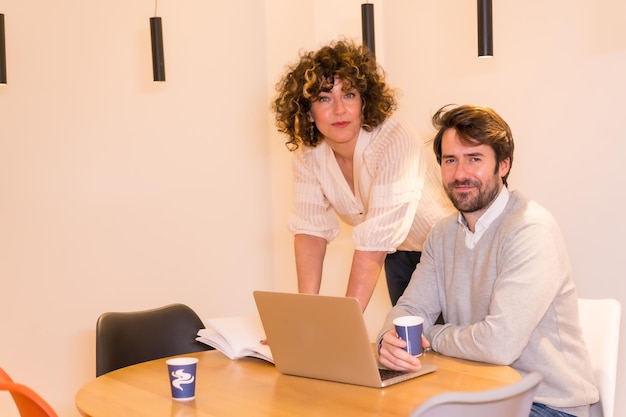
<point>497,271</point>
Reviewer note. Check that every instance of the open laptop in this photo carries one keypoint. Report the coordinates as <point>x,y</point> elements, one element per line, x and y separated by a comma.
<point>323,337</point>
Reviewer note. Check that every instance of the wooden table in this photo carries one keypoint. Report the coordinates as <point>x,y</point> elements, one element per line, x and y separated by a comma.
<point>254,388</point>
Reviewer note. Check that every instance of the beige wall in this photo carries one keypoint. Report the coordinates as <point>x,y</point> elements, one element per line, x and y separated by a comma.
<point>120,194</point>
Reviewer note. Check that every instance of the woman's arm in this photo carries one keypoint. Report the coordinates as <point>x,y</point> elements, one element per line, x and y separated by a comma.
<point>366,267</point>
<point>310,251</point>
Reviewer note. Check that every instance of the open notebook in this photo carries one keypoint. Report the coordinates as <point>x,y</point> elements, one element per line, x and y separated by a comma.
<point>323,337</point>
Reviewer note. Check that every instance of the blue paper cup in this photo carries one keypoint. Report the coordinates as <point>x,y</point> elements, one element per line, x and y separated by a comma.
<point>409,329</point>
<point>182,373</point>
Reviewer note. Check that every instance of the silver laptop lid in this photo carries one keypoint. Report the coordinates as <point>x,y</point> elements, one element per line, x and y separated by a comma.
<point>320,337</point>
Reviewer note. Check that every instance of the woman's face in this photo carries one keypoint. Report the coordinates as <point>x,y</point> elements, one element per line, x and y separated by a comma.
<point>337,114</point>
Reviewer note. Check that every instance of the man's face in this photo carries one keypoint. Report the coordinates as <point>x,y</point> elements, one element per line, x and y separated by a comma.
<point>469,174</point>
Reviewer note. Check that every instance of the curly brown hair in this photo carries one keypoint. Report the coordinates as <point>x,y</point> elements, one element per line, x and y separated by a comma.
<point>315,72</point>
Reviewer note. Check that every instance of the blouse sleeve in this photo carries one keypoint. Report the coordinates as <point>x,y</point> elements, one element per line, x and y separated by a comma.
<point>397,166</point>
<point>312,213</point>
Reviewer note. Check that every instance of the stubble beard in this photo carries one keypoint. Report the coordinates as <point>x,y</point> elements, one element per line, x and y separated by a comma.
<point>466,202</point>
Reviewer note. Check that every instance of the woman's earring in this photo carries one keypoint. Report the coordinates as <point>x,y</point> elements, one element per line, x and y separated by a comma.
<point>312,133</point>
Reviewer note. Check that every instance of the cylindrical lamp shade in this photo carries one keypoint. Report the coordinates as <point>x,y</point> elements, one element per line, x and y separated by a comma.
<point>485,29</point>
<point>367,23</point>
<point>158,60</point>
<point>3,54</point>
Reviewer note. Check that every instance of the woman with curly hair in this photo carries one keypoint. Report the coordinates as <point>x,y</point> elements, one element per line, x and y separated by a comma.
<point>353,162</point>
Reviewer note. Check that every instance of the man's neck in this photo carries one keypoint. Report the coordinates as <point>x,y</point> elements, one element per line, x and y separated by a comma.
<point>472,218</point>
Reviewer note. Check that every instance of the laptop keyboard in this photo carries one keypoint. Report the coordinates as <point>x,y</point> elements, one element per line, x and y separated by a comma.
<point>389,373</point>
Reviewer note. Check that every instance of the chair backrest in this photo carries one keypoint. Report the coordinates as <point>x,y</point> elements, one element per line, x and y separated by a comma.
<point>27,401</point>
<point>600,321</point>
<point>127,338</point>
<point>513,400</point>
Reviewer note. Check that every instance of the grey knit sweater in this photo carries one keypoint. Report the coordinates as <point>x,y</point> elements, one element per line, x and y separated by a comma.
<point>511,300</point>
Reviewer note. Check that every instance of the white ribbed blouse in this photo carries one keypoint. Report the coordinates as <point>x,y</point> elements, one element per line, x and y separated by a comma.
<point>397,196</point>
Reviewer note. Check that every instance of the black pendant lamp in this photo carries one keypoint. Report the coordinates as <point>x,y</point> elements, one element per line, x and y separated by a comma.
<point>367,24</point>
<point>156,36</point>
<point>3,54</point>
<point>485,29</point>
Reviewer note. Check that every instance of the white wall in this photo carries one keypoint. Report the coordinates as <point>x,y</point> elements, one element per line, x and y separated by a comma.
<point>116,192</point>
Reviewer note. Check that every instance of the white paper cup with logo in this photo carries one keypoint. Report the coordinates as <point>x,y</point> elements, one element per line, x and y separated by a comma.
<point>409,329</point>
<point>182,373</point>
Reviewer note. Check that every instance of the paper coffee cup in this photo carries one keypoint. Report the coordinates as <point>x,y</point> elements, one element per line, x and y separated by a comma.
<point>409,329</point>
<point>182,372</point>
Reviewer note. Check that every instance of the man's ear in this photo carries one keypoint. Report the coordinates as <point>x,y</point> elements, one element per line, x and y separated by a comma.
<point>505,166</point>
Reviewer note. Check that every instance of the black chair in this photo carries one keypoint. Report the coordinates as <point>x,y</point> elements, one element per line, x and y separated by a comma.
<point>127,338</point>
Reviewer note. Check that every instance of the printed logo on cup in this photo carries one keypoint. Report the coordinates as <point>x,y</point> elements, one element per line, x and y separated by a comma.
<point>180,378</point>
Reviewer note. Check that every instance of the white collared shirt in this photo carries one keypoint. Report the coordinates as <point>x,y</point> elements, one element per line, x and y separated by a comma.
<point>492,213</point>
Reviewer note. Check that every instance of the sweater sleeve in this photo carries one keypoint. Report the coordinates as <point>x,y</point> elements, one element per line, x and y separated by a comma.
<point>423,296</point>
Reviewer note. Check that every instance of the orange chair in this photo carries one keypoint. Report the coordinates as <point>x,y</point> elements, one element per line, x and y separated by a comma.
<point>27,401</point>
